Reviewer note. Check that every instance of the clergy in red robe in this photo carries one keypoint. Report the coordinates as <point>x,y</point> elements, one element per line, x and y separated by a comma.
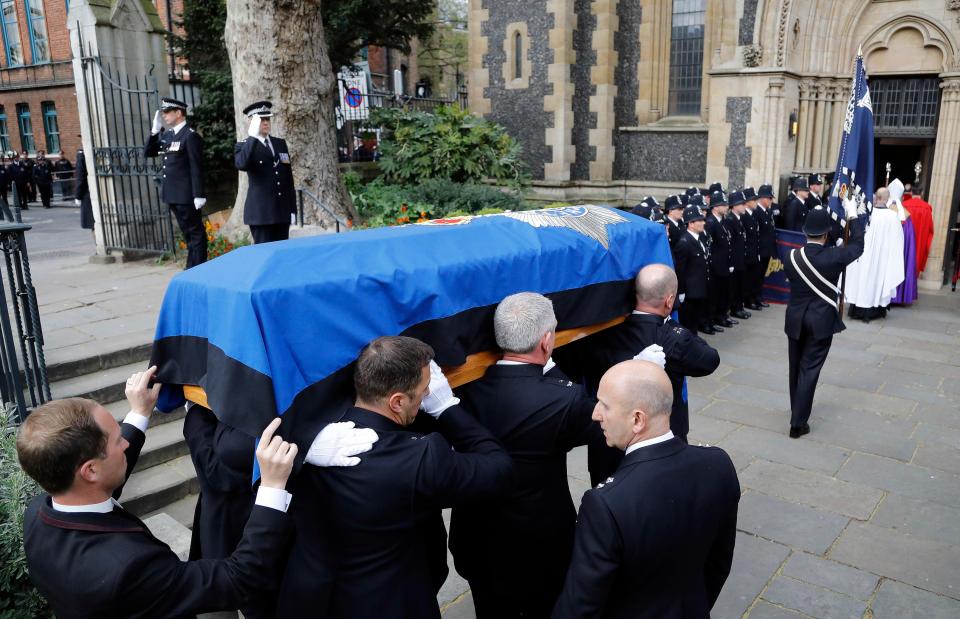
<point>921,214</point>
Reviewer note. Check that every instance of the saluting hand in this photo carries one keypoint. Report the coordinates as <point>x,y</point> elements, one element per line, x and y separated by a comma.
<point>254,129</point>
<point>157,123</point>
<point>275,457</point>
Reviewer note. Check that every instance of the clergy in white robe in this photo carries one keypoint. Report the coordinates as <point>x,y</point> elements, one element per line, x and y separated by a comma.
<point>873,278</point>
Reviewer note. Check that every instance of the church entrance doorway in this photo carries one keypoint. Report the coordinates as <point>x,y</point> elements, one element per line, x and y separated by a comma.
<point>908,159</point>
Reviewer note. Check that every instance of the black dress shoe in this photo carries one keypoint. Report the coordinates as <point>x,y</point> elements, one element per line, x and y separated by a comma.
<point>707,330</point>
<point>717,328</point>
<point>763,304</point>
<point>729,322</point>
<point>742,315</point>
<point>754,307</point>
<point>798,431</point>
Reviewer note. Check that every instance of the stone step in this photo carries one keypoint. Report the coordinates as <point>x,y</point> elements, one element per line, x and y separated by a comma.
<point>169,531</point>
<point>103,386</point>
<point>119,410</point>
<point>153,488</point>
<point>74,361</point>
<point>163,444</point>
<point>180,510</point>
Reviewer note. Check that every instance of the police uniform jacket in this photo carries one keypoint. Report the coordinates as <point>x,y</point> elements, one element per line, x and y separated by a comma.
<point>720,251</point>
<point>19,173</point>
<point>525,534</point>
<point>738,239</point>
<point>808,310</point>
<point>4,179</point>
<point>271,198</point>
<point>182,176</point>
<point>751,238</point>
<point>692,263</point>
<point>766,232</point>
<point>675,231</point>
<point>795,213</point>
<point>373,525</point>
<point>42,173</point>
<point>655,540</point>
<point>110,565</point>
<point>223,458</point>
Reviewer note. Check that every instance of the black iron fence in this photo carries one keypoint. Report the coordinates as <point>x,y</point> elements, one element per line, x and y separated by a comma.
<point>23,369</point>
<point>326,216</point>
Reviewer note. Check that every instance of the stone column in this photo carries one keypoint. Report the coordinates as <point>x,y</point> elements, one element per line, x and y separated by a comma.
<point>775,128</point>
<point>828,130</point>
<point>840,95</point>
<point>943,178</point>
<point>602,79</point>
<point>479,75</point>
<point>560,103</point>
<point>818,129</point>
<point>805,121</point>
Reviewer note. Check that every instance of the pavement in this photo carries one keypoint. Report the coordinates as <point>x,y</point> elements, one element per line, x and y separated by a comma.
<point>860,518</point>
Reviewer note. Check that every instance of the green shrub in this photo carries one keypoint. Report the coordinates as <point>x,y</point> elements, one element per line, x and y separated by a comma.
<point>449,144</point>
<point>18,597</point>
<point>447,196</point>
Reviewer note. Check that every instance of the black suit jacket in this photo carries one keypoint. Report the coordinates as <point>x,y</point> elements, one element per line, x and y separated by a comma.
<point>738,239</point>
<point>766,231</point>
<point>523,533</point>
<point>751,238</point>
<point>794,213</point>
<point>656,540</point>
<point>271,198</point>
<point>43,173</point>
<point>692,264</point>
<point>806,310</point>
<point>675,231</point>
<point>110,565</point>
<point>367,534</point>
<point>720,253</point>
<point>182,175</point>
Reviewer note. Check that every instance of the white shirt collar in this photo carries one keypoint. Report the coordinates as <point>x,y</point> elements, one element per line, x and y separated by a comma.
<point>693,234</point>
<point>639,313</point>
<point>104,507</point>
<point>663,438</point>
<point>511,362</point>
<point>177,128</point>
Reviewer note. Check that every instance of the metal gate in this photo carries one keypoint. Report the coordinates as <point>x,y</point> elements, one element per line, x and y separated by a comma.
<point>120,109</point>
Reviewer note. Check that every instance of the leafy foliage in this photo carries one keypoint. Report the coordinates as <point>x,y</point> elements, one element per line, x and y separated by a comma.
<point>449,144</point>
<point>351,25</point>
<point>18,597</point>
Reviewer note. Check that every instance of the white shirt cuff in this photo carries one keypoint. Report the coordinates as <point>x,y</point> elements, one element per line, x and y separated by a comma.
<point>137,420</point>
<point>274,498</point>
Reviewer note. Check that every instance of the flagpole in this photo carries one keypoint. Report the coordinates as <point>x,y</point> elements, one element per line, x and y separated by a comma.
<point>846,233</point>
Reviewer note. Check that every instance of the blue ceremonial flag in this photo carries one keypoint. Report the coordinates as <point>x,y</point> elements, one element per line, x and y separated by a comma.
<point>854,174</point>
<point>273,329</point>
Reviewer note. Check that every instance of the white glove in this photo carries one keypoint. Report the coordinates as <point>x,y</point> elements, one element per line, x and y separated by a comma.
<point>157,123</point>
<point>683,295</point>
<point>654,354</point>
<point>839,243</point>
<point>549,365</point>
<point>199,202</point>
<point>76,202</point>
<point>254,129</point>
<point>731,269</point>
<point>338,444</point>
<point>441,395</point>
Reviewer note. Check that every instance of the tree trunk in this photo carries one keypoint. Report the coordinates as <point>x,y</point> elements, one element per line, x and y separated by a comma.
<point>278,52</point>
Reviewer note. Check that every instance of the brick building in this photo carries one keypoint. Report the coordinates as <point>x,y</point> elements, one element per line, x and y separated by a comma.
<point>38,109</point>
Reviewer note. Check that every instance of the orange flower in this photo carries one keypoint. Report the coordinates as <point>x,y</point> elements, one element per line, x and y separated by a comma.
<point>423,214</point>
<point>403,208</point>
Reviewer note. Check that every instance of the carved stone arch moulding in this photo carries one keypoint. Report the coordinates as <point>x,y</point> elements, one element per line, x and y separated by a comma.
<point>932,36</point>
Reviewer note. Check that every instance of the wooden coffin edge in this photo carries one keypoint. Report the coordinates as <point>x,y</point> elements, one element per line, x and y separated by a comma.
<point>474,368</point>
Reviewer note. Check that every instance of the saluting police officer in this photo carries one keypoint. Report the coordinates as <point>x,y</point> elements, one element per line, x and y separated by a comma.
<point>692,263</point>
<point>271,200</point>
<point>795,210</point>
<point>765,215</point>
<point>182,182</point>
<point>751,229</point>
<point>720,266</point>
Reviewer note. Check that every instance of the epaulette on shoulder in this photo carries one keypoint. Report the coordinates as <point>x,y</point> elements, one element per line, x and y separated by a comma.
<point>558,382</point>
<point>608,483</point>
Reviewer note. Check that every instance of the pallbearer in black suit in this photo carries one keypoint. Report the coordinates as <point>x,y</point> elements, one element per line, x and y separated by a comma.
<point>765,214</point>
<point>720,262</point>
<point>795,210</point>
<point>92,558</point>
<point>271,203</point>
<point>751,229</point>
<point>675,223</point>
<point>692,263</point>
<point>514,551</point>
<point>182,181</point>
<point>738,240</point>
<point>812,316</point>
<point>657,538</point>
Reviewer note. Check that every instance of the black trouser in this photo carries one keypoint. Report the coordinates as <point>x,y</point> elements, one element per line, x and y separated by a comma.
<point>735,294</point>
<point>270,232</point>
<point>749,294</point>
<point>761,275</point>
<point>497,596</point>
<point>719,297</point>
<point>22,192</point>
<point>191,225</point>
<point>46,190</point>
<point>692,314</point>
<point>807,356</point>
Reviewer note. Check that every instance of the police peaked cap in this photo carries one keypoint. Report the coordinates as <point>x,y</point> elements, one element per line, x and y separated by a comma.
<point>736,198</point>
<point>263,109</point>
<point>749,194</point>
<point>673,203</point>
<point>815,179</point>
<point>717,199</point>
<point>169,103</point>
<point>818,221</point>
<point>766,191</point>
<point>692,214</point>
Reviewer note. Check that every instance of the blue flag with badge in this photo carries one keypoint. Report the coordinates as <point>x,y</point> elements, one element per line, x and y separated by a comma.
<point>854,173</point>
<point>273,329</point>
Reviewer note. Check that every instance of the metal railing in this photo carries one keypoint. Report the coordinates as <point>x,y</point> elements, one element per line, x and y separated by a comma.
<point>338,221</point>
<point>31,76</point>
<point>25,344</point>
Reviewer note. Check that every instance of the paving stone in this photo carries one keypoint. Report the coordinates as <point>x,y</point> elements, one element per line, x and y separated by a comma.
<point>866,379</point>
<point>766,610</point>
<point>119,326</point>
<point>862,358</point>
<point>912,379</point>
<point>856,398</point>
<point>461,608</point>
<point>933,433</point>
<point>896,600</point>
<point>932,566</point>
<point>755,561</point>
<point>943,370</point>
<point>73,317</point>
<point>749,415</point>
<point>907,479</point>
<point>778,447</point>
<point>938,456</point>
<point>863,431</point>
<point>577,463</point>
<point>920,518</point>
<point>811,489</point>
<point>812,600</point>
<point>917,394</point>
<point>765,398</point>
<point>705,386</point>
<point>795,525</point>
<point>831,575</point>
<point>947,415</point>
<point>752,362</point>
<point>740,460</point>
<point>61,338</point>
<point>709,431</point>
<point>760,380</point>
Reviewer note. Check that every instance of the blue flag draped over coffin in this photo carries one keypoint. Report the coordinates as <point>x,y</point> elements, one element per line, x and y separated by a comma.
<point>274,328</point>
<point>854,174</point>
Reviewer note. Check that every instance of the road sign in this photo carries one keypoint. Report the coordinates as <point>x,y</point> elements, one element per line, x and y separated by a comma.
<point>353,94</point>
